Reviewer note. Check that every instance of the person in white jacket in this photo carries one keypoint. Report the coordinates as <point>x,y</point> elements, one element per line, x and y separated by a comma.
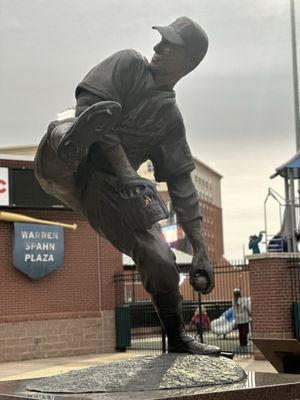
<point>242,315</point>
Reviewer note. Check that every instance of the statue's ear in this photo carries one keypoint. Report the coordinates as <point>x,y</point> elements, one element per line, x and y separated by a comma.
<point>193,62</point>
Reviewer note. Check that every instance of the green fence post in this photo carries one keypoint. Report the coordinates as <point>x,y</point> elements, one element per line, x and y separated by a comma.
<point>123,327</point>
<point>297,319</point>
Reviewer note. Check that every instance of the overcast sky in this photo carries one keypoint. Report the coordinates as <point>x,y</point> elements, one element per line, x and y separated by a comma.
<point>237,106</point>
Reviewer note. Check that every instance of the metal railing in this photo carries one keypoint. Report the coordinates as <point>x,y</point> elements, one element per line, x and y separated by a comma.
<point>215,324</point>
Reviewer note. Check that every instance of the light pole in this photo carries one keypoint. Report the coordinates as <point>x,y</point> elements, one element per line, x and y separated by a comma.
<point>295,74</point>
<point>292,203</point>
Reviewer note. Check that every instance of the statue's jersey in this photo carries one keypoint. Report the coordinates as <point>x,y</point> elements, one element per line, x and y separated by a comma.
<point>151,126</point>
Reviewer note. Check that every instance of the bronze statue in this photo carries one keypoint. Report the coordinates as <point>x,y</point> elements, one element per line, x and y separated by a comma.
<point>126,113</point>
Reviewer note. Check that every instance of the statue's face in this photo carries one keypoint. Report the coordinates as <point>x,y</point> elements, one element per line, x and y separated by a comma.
<point>168,59</point>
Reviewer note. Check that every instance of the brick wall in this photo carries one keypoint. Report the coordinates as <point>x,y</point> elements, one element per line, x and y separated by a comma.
<point>271,296</point>
<point>57,337</point>
<point>71,310</point>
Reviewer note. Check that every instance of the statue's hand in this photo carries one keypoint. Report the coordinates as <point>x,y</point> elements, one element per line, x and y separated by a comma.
<point>140,202</point>
<point>130,182</point>
<point>201,274</point>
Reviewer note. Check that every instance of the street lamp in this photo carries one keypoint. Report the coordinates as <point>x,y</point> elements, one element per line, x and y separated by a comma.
<point>295,73</point>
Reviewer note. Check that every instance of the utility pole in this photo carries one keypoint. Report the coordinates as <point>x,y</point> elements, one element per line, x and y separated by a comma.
<point>295,73</point>
<point>293,201</point>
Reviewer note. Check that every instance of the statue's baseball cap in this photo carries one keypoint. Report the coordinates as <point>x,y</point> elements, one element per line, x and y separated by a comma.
<point>187,33</point>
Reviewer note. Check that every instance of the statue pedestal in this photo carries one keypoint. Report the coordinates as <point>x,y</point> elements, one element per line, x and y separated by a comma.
<point>262,386</point>
<point>165,376</point>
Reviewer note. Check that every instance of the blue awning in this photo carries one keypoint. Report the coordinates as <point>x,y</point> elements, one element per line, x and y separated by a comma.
<point>293,164</point>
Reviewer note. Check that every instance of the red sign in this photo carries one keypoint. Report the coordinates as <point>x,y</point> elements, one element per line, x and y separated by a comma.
<point>3,185</point>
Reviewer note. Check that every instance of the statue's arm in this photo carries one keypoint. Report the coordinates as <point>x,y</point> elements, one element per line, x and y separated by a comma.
<point>113,150</point>
<point>119,161</point>
<point>185,202</point>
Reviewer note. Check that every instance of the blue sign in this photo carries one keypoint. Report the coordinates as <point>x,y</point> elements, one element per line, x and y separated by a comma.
<point>37,249</point>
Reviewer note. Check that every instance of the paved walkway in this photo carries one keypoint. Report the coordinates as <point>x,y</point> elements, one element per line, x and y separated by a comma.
<point>54,366</point>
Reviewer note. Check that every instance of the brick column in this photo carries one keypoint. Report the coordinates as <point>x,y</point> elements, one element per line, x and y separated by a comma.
<point>271,296</point>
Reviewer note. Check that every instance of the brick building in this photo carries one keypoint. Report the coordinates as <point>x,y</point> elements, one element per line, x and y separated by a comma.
<point>71,311</point>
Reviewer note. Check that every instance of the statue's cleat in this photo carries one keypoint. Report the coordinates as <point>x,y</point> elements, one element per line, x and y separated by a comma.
<point>226,354</point>
<point>186,344</point>
<point>87,129</point>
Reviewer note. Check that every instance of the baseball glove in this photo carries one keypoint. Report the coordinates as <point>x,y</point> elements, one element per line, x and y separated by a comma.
<point>141,204</point>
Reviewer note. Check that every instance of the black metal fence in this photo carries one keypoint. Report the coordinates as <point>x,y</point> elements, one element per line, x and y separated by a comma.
<point>294,270</point>
<point>209,318</point>
<point>294,264</point>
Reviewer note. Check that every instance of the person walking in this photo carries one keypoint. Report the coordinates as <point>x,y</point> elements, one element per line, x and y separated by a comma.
<point>242,315</point>
<point>202,322</point>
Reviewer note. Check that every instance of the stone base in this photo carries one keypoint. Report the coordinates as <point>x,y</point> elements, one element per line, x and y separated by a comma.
<point>262,386</point>
<point>167,376</point>
<point>146,373</point>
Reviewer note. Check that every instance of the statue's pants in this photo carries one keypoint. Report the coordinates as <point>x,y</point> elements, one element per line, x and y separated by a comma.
<point>92,194</point>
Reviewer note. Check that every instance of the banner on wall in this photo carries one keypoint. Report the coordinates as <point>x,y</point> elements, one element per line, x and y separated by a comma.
<point>4,187</point>
<point>37,249</point>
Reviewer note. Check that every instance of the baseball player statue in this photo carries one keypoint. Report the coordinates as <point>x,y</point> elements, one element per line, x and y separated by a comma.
<point>126,113</point>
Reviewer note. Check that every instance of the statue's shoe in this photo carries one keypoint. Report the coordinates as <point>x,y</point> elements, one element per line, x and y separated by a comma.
<point>87,129</point>
<point>186,344</point>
